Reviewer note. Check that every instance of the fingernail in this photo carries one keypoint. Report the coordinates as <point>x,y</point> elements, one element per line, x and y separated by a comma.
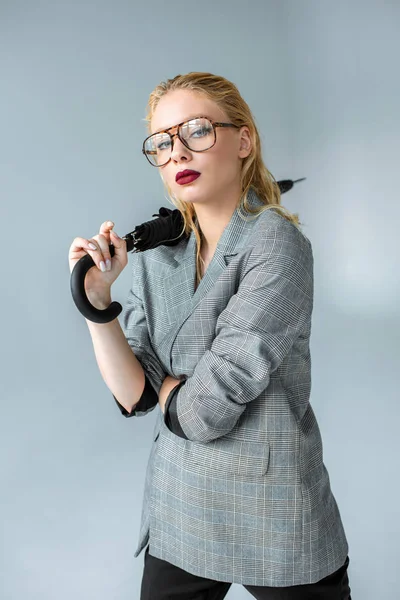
<point>102,266</point>
<point>108,264</point>
<point>92,246</point>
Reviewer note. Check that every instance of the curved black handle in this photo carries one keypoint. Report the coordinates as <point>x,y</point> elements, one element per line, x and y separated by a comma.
<point>166,230</point>
<point>78,291</point>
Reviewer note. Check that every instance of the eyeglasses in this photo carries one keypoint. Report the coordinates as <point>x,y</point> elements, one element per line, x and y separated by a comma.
<point>197,134</point>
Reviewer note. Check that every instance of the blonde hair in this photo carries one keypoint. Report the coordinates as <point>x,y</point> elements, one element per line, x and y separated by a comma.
<point>254,173</point>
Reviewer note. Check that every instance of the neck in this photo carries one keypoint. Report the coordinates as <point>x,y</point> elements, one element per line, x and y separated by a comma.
<point>212,220</point>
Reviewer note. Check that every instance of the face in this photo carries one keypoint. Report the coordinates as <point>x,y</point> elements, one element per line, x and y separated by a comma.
<point>219,167</point>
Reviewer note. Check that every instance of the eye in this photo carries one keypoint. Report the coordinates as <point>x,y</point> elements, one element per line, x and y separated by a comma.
<point>164,145</point>
<point>201,132</point>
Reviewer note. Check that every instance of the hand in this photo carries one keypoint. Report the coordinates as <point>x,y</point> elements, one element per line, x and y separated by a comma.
<point>167,386</point>
<point>97,281</point>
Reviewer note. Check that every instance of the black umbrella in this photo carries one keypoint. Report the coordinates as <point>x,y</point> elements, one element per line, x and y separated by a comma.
<point>157,232</point>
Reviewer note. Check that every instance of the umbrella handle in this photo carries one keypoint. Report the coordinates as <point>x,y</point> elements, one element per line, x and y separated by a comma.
<point>78,292</point>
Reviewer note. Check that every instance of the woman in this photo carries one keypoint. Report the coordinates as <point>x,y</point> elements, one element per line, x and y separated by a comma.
<point>236,489</point>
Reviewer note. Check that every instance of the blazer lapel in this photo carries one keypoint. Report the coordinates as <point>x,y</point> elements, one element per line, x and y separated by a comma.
<point>180,293</point>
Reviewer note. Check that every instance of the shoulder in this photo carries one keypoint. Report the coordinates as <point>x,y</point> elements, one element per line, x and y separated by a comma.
<point>275,235</point>
<point>280,259</point>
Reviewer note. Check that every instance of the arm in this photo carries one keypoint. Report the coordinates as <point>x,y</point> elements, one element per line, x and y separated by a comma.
<point>254,333</point>
<point>121,371</point>
<point>169,384</point>
<point>135,331</point>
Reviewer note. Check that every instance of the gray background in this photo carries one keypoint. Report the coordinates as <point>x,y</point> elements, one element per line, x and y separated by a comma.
<point>322,81</point>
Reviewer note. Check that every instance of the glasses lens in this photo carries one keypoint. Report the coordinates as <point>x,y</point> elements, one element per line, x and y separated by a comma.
<point>198,134</point>
<point>158,148</point>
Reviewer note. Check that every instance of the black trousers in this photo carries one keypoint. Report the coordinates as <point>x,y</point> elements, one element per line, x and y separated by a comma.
<point>164,581</point>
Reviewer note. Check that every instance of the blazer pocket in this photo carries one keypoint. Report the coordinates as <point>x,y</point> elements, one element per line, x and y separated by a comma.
<point>230,456</point>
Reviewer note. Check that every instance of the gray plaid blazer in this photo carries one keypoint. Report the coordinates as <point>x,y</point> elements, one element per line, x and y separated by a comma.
<point>236,489</point>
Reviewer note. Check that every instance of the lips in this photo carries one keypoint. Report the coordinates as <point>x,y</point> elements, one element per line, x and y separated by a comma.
<point>186,176</point>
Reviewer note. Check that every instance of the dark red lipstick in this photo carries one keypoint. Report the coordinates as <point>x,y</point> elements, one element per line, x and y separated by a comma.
<point>186,176</point>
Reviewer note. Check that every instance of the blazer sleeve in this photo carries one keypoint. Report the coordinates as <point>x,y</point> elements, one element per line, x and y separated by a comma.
<point>254,334</point>
<point>134,325</point>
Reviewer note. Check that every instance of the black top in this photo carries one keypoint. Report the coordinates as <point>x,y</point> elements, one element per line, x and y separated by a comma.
<point>149,399</point>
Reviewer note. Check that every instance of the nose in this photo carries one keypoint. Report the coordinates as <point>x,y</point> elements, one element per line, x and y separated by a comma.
<point>179,150</point>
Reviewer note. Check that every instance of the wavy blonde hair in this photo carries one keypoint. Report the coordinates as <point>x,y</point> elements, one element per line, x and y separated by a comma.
<point>254,173</point>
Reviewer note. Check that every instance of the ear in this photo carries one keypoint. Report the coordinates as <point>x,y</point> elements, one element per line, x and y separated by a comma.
<point>245,144</point>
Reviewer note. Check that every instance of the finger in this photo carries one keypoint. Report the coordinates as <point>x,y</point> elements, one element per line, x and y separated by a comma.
<point>103,257</point>
<point>95,252</point>
<point>80,244</point>
<point>105,228</point>
<point>89,246</point>
<point>119,247</point>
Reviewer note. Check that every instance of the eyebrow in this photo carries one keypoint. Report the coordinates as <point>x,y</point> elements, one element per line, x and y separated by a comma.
<point>188,119</point>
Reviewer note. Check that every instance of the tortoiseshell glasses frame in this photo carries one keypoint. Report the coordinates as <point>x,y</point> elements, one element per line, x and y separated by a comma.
<point>184,142</point>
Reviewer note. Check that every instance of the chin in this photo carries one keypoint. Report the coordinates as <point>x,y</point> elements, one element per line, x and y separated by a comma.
<point>195,199</point>
<point>189,195</point>
<point>194,193</point>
